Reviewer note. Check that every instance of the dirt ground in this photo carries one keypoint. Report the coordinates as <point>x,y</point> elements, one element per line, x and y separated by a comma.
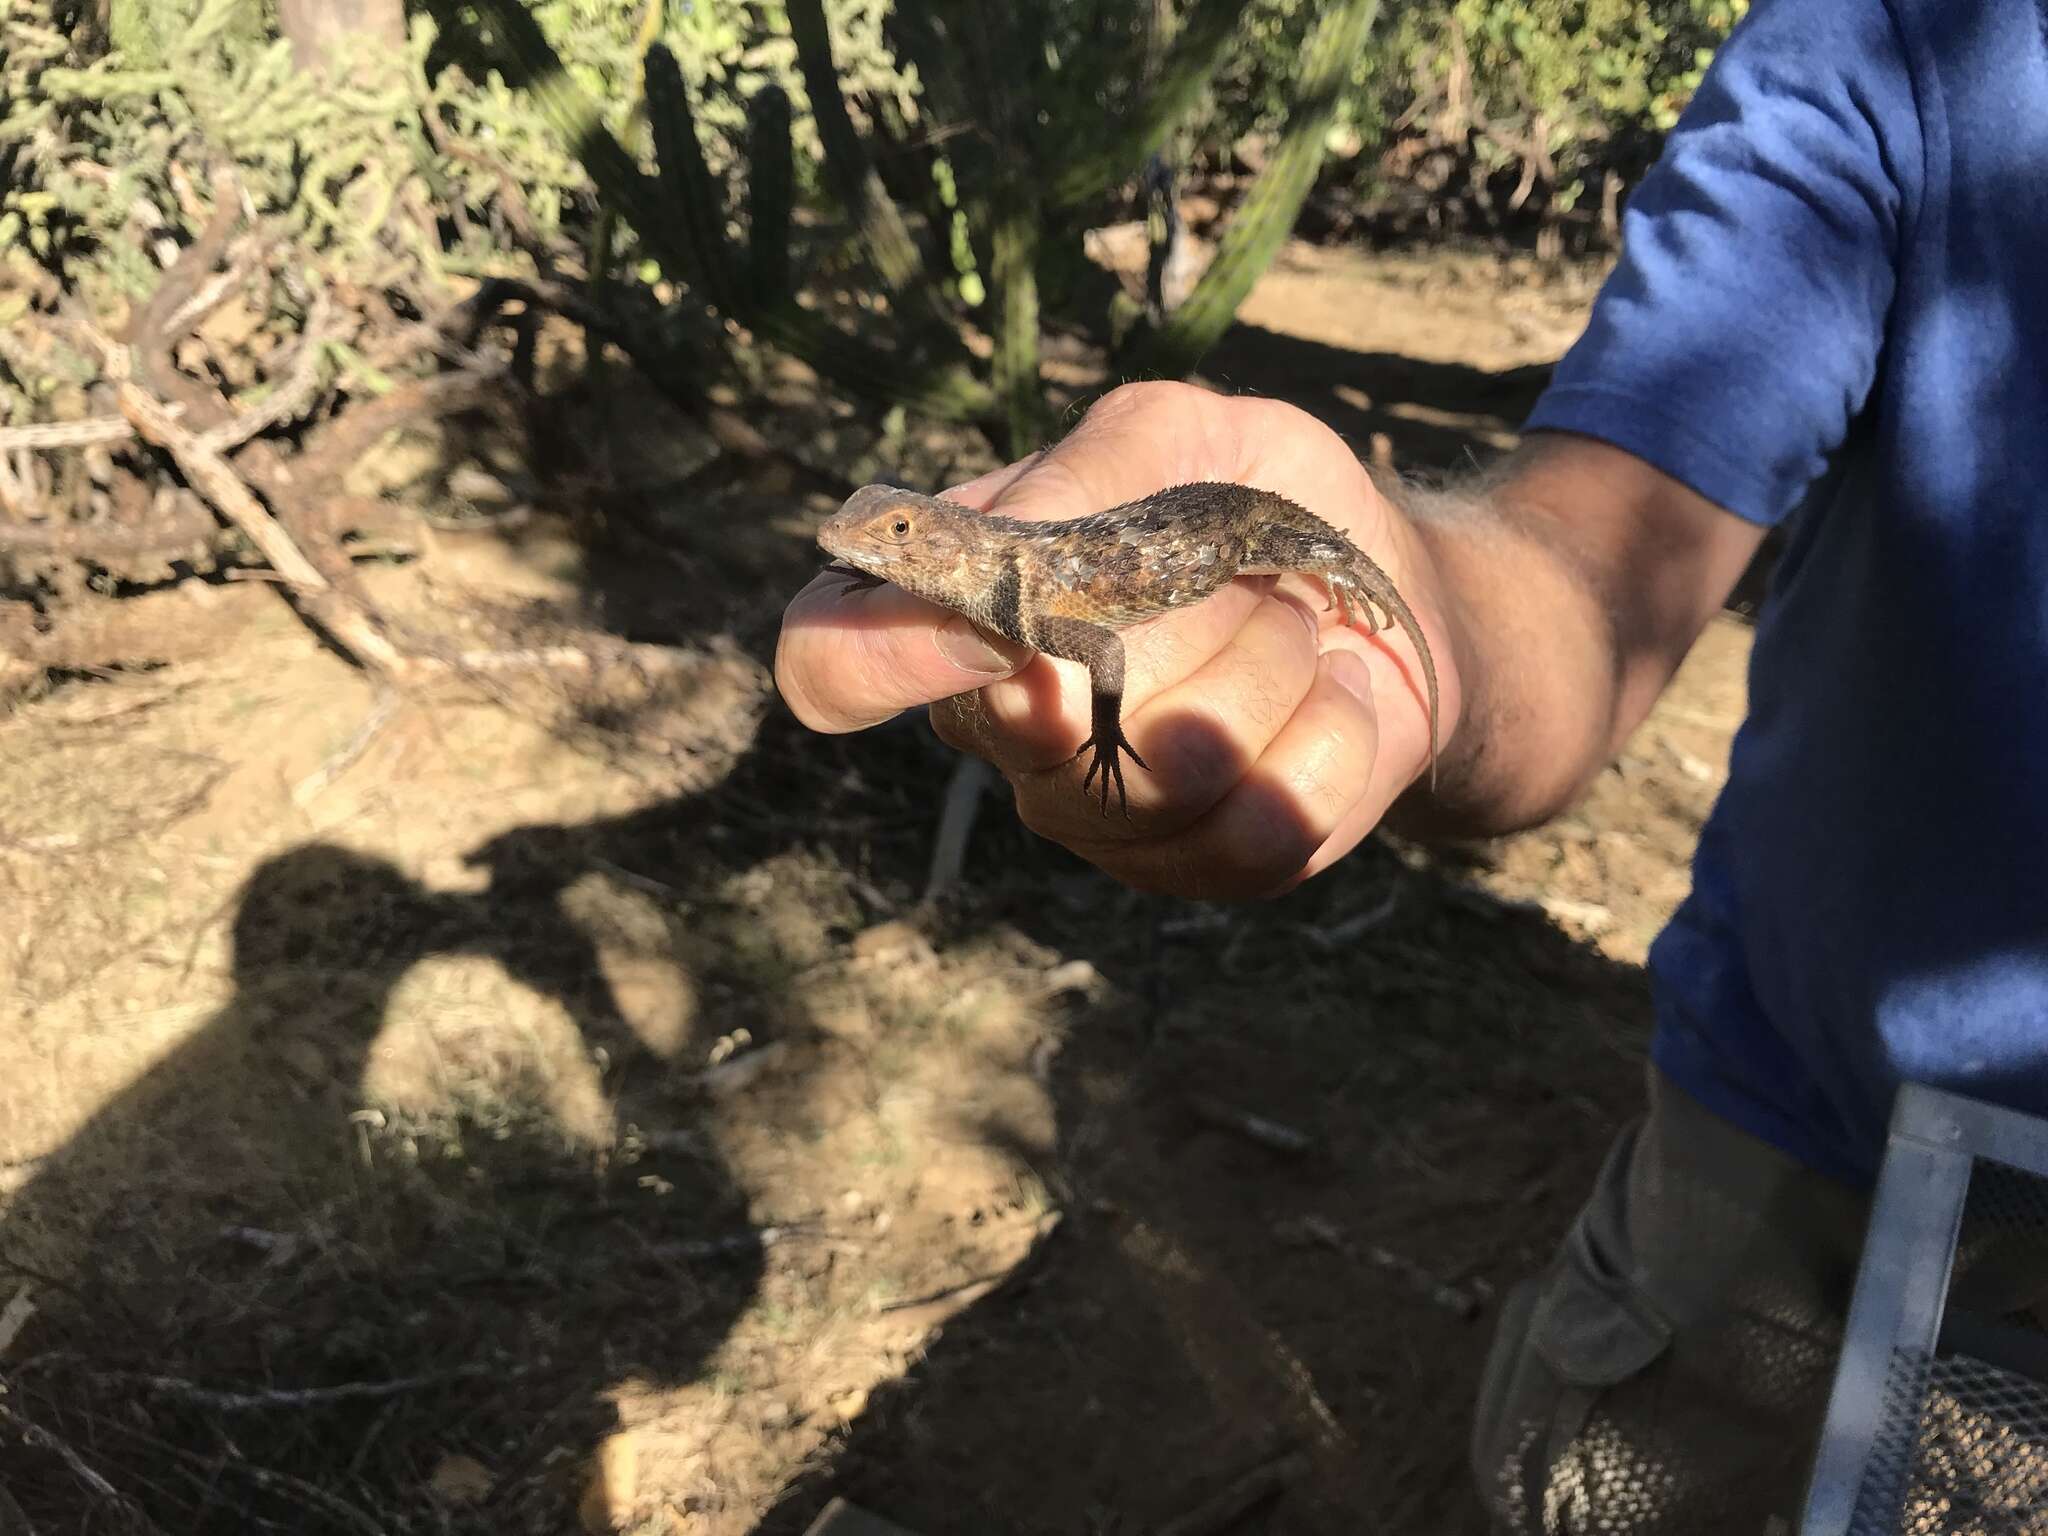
<point>541,1105</point>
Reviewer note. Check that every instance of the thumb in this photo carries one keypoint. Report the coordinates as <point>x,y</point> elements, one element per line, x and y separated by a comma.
<point>847,661</point>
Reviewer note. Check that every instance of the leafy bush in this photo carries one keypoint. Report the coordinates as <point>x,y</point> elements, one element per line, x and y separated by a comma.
<point>1563,88</point>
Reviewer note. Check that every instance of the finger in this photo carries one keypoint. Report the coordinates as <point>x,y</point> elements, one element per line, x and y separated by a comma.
<point>1198,735</point>
<point>849,660</point>
<point>1312,780</point>
<point>1391,775</point>
<point>1035,719</point>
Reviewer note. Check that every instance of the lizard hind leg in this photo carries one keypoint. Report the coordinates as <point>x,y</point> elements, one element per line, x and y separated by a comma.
<point>1352,601</point>
<point>1110,745</point>
<point>1098,649</point>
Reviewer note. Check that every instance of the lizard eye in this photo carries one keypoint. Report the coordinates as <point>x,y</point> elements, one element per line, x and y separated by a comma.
<point>900,527</point>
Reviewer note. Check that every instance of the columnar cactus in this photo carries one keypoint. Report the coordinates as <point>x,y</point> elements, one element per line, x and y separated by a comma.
<point>1028,164</point>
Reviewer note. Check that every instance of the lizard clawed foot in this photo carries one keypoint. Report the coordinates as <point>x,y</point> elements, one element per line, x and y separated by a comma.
<point>1108,742</point>
<point>1351,601</point>
<point>857,580</point>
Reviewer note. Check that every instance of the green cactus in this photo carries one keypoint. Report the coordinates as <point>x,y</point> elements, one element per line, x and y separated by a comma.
<point>1013,93</point>
<point>1190,63</point>
<point>657,212</point>
<point>1262,223</point>
<point>602,238</point>
<point>771,192</point>
<point>880,225</point>
<point>687,183</point>
<point>1018,385</point>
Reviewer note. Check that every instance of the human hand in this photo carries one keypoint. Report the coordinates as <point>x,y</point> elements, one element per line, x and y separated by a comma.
<point>1257,710</point>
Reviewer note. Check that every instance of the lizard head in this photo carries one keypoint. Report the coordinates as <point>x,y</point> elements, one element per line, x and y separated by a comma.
<point>891,533</point>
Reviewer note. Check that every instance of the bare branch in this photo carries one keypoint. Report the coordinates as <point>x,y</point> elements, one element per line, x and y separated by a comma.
<point>216,479</point>
<point>40,1438</point>
<point>182,531</point>
<point>298,1397</point>
<point>289,400</point>
<point>66,434</point>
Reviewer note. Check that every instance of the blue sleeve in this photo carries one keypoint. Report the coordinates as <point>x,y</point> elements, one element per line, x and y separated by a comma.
<point>1739,334</point>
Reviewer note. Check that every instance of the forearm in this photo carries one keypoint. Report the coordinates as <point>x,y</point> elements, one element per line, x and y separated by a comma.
<point>1573,579</point>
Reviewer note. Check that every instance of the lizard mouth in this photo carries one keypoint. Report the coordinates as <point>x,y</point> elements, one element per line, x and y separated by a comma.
<point>854,540</point>
<point>845,544</point>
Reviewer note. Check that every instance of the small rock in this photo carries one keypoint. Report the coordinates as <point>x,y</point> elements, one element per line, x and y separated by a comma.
<point>740,1072</point>
<point>460,1481</point>
<point>607,1503</point>
<point>893,943</point>
<point>473,483</point>
<point>1074,976</point>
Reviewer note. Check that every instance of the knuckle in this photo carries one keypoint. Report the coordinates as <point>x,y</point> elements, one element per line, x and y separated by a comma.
<point>1197,763</point>
<point>1266,838</point>
<point>960,724</point>
<point>1145,395</point>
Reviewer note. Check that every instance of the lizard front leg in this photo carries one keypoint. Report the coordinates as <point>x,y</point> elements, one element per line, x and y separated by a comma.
<point>1102,653</point>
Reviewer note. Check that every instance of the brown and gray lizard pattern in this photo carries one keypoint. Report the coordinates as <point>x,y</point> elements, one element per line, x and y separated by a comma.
<point>1066,587</point>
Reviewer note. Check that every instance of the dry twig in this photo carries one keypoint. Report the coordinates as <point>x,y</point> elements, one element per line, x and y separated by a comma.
<point>1225,1508</point>
<point>298,1397</point>
<point>1270,1134</point>
<point>216,479</point>
<point>41,1439</point>
<point>66,434</point>
<point>291,399</point>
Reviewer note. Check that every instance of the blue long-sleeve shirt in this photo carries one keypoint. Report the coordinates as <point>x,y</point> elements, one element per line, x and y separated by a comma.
<point>1832,311</point>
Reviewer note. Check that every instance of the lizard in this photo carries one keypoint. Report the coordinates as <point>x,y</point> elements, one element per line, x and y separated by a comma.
<point>1065,587</point>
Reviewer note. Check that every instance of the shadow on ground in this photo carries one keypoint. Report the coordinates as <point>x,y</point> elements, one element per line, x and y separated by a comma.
<point>288,1314</point>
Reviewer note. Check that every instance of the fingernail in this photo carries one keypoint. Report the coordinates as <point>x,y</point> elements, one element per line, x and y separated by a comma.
<point>971,651</point>
<point>1348,671</point>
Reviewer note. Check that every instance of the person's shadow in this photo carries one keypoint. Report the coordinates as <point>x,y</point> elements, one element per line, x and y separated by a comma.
<point>263,1304</point>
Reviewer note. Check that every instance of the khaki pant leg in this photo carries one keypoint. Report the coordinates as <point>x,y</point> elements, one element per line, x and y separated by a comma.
<point>1668,1373</point>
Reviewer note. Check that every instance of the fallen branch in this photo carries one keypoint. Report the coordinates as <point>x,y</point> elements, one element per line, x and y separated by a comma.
<point>308,788</point>
<point>573,658</point>
<point>964,790</point>
<point>1225,1508</point>
<point>297,1397</point>
<point>291,399</point>
<point>41,1439</point>
<point>190,277</point>
<point>1270,1134</point>
<point>182,531</point>
<point>66,434</point>
<point>215,478</point>
<point>939,1306</point>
